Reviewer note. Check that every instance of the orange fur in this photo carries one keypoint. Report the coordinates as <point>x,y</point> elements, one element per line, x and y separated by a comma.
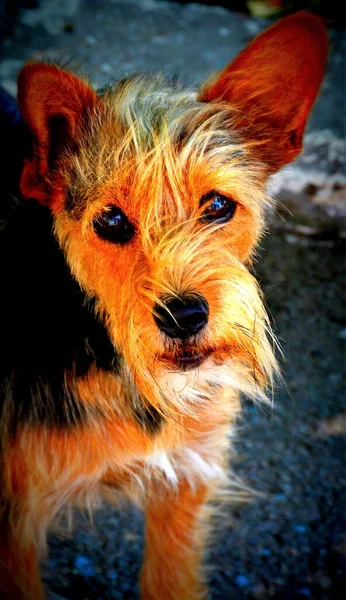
<point>174,545</point>
<point>154,152</point>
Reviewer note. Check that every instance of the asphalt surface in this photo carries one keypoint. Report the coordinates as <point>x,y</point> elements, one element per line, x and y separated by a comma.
<point>289,541</point>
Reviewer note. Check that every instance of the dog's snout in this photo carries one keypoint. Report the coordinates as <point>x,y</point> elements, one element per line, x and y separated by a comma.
<point>181,317</point>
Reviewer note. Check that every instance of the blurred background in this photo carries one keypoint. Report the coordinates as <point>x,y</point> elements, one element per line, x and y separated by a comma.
<point>289,541</point>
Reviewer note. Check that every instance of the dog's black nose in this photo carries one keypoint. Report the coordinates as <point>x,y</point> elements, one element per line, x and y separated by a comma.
<point>181,317</point>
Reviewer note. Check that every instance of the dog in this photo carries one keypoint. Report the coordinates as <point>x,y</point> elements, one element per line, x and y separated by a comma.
<point>131,321</point>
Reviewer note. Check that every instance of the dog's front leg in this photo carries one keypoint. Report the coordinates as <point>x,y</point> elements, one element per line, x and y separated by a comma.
<point>19,566</point>
<point>176,527</point>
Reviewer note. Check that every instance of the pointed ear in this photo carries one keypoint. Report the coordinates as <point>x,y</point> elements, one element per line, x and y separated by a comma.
<point>55,105</point>
<point>272,85</point>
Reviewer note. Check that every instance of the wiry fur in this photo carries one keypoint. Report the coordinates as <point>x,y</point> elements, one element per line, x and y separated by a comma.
<point>159,179</point>
<point>128,421</point>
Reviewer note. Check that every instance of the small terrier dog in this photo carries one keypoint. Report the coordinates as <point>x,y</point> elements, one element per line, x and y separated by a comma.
<point>130,320</point>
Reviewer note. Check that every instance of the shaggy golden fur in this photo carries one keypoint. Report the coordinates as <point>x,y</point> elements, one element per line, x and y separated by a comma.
<point>157,201</point>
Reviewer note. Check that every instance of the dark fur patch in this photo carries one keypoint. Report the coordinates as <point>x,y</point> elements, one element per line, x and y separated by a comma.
<point>148,418</point>
<point>71,206</point>
<point>49,331</point>
<point>74,204</point>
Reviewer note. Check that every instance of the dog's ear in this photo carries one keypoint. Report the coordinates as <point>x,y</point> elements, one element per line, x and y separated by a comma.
<point>56,106</point>
<point>272,85</point>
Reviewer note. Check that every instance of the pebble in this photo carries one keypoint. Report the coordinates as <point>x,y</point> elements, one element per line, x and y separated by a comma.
<point>305,592</point>
<point>334,378</point>
<point>252,27</point>
<point>84,566</point>
<point>90,40</point>
<point>280,497</point>
<point>242,581</point>
<point>10,86</point>
<point>106,68</point>
<point>112,574</point>
<point>224,31</point>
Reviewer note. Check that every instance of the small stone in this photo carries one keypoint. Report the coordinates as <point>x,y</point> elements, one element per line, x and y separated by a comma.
<point>84,566</point>
<point>130,536</point>
<point>252,27</point>
<point>90,40</point>
<point>242,581</point>
<point>223,31</point>
<point>280,497</point>
<point>10,86</point>
<point>106,68</point>
<point>291,239</point>
<point>112,574</point>
<point>342,334</point>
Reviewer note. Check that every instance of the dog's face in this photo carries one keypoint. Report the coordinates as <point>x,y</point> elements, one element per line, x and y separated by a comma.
<point>158,197</point>
<point>161,219</point>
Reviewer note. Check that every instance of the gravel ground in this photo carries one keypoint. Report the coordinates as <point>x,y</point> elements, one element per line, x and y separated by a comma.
<point>289,542</point>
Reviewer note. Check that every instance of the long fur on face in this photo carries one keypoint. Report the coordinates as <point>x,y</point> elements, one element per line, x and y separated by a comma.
<point>173,151</point>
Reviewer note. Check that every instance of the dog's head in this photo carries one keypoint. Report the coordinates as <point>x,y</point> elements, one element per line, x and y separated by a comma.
<point>158,199</point>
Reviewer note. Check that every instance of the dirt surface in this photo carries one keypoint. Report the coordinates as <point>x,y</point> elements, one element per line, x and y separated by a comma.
<point>291,541</point>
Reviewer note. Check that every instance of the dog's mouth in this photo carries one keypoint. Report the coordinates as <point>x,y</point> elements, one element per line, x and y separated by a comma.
<point>186,360</point>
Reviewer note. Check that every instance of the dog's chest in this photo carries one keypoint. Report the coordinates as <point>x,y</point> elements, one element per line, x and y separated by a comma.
<point>188,463</point>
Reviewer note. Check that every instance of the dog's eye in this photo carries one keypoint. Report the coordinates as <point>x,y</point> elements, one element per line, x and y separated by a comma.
<point>220,209</point>
<point>113,225</point>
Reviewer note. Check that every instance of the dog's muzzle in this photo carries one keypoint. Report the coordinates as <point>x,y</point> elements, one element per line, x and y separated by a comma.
<point>180,318</point>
